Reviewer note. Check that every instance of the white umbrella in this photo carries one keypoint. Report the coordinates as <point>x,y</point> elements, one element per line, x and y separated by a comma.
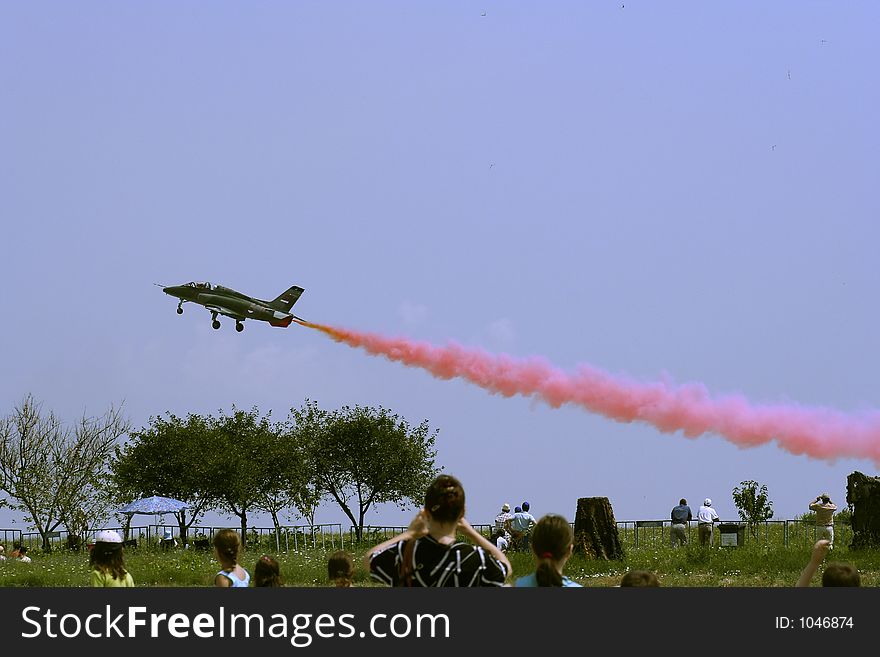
<point>155,505</point>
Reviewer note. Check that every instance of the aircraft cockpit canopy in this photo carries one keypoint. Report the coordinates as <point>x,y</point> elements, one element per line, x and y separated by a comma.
<point>201,286</point>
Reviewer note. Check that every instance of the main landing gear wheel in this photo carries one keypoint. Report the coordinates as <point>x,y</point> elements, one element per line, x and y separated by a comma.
<point>239,327</point>
<point>215,324</point>
<point>179,310</point>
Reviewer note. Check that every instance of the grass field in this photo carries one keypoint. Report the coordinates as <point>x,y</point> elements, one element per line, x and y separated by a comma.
<point>750,565</point>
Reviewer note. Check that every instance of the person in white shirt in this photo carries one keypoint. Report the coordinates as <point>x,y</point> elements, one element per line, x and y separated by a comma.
<point>706,518</point>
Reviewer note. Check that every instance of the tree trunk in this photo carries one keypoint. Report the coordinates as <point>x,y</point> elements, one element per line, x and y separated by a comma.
<point>182,527</point>
<point>243,516</point>
<point>360,526</point>
<point>277,531</point>
<point>595,530</point>
<point>863,495</point>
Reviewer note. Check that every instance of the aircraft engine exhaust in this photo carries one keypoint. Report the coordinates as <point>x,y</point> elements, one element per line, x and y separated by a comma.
<point>817,432</point>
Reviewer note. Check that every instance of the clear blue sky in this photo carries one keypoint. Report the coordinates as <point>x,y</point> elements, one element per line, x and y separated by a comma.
<point>658,189</point>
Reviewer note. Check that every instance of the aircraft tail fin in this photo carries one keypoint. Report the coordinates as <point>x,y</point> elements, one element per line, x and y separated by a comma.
<point>284,302</point>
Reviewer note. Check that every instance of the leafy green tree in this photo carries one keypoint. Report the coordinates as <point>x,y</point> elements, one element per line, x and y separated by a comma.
<point>363,456</point>
<point>296,491</point>
<point>168,457</point>
<point>48,469</point>
<point>84,512</point>
<point>250,455</point>
<point>753,504</point>
<point>238,461</point>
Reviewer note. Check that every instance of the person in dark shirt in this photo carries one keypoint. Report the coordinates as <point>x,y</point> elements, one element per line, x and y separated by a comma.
<point>681,516</point>
<point>429,553</point>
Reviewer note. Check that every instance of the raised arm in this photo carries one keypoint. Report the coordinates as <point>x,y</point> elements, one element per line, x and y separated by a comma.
<point>820,549</point>
<point>478,539</point>
<point>417,528</point>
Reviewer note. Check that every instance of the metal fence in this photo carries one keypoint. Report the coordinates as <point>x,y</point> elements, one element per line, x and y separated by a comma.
<point>293,537</point>
<point>637,534</point>
<point>11,535</point>
<point>379,533</point>
<point>64,539</point>
<point>328,536</point>
<point>647,534</point>
<point>634,534</point>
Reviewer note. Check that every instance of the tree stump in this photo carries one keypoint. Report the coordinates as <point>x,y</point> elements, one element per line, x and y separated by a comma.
<point>595,530</point>
<point>863,496</point>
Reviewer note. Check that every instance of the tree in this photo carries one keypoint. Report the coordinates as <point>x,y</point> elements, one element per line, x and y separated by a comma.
<point>168,457</point>
<point>49,469</point>
<point>250,458</point>
<point>240,461</point>
<point>294,487</point>
<point>86,512</point>
<point>363,456</point>
<point>753,504</point>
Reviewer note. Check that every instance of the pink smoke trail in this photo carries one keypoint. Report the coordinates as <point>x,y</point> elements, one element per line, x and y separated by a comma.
<point>816,432</point>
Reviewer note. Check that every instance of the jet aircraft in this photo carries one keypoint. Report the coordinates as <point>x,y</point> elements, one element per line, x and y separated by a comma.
<point>225,301</point>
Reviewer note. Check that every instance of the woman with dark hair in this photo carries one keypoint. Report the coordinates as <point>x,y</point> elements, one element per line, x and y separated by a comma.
<point>552,544</point>
<point>429,553</point>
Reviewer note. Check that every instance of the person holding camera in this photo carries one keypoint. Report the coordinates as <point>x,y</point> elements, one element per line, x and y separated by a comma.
<point>824,509</point>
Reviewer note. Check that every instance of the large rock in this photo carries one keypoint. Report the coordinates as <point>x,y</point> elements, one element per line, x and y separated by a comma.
<point>595,530</point>
<point>863,496</point>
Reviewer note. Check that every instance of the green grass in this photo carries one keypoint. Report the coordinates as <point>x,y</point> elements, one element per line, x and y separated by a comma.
<point>751,565</point>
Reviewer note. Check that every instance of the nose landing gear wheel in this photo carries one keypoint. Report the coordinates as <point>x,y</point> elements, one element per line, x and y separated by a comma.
<point>239,327</point>
<point>215,324</point>
<point>179,310</point>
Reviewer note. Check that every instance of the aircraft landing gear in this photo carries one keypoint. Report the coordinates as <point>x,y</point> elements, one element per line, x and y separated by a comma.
<point>239,327</point>
<point>215,323</point>
<point>179,309</point>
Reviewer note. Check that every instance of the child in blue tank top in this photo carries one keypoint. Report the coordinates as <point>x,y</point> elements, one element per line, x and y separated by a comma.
<point>227,548</point>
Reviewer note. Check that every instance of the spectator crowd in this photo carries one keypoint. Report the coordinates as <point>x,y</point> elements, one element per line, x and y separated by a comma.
<point>440,548</point>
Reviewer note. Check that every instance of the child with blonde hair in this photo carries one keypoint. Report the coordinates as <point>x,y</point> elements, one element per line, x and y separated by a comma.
<point>227,550</point>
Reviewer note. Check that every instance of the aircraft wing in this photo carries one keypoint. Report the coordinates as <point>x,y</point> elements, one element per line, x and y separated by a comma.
<point>223,311</point>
